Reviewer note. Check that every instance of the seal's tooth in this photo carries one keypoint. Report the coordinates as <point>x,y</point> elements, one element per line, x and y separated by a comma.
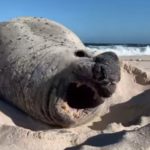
<point>76,115</point>
<point>78,84</point>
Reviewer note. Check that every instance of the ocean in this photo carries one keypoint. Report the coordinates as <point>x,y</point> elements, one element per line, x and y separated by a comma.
<point>122,49</point>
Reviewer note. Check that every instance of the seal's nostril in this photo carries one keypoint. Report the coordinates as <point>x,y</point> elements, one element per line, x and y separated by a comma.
<point>103,72</point>
<point>80,53</point>
<point>99,72</point>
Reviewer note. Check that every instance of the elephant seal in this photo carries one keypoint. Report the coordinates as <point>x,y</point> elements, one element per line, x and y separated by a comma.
<point>46,71</point>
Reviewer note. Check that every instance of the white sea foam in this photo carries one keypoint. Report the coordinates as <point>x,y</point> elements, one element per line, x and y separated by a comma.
<point>122,50</point>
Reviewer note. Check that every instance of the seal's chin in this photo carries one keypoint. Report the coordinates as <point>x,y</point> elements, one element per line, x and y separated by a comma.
<point>82,95</point>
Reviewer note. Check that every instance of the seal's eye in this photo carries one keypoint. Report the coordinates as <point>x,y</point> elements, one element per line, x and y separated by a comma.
<point>80,53</point>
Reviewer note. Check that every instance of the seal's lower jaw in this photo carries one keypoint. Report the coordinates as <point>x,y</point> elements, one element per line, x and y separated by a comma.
<point>79,105</point>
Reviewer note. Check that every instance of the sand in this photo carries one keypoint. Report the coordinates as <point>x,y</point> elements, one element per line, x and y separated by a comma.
<point>122,123</point>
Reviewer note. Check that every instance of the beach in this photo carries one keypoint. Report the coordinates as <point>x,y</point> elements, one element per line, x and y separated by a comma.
<point>127,109</point>
<point>75,75</point>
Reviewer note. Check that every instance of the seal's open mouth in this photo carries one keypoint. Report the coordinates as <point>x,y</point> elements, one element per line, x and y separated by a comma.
<point>81,96</point>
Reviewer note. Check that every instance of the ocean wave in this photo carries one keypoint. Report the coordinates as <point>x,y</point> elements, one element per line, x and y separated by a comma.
<point>122,50</point>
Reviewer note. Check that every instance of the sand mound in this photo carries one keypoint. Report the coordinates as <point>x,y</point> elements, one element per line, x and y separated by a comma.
<point>127,109</point>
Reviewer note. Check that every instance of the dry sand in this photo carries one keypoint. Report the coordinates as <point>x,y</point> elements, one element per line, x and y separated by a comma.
<point>127,109</point>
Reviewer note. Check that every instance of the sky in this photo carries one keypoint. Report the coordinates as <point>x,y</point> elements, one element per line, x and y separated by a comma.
<point>96,21</point>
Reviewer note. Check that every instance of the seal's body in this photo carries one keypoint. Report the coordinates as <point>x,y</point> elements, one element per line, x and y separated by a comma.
<point>46,71</point>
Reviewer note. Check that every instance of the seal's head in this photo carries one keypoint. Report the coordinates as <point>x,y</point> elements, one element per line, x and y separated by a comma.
<point>84,85</point>
<point>56,82</point>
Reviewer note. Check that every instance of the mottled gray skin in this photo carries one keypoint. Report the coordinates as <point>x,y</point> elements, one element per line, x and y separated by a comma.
<point>39,61</point>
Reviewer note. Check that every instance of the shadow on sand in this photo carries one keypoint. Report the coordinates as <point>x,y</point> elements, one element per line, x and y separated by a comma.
<point>100,140</point>
<point>20,118</point>
<point>128,113</point>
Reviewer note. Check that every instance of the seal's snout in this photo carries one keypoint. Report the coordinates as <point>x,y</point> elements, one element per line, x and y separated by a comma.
<point>106,73</point>
<point>106,68</point>
<point>107,56</point>
<point>99,72</point>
